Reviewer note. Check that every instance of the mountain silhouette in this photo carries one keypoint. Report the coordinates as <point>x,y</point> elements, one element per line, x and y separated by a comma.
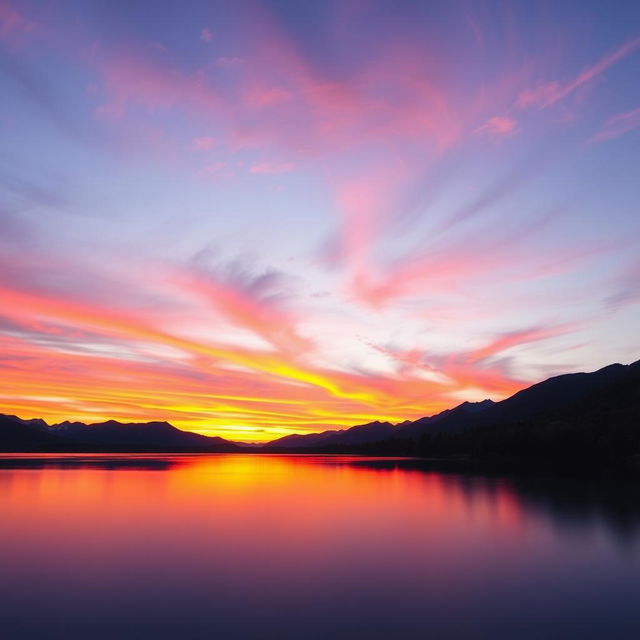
<point>459,415</point>
<point>582,416</point>
<point>374,432</point>
<point>554,396</point>
<point>35,435</point>
<point>360,434</point>
<point>28,435</point>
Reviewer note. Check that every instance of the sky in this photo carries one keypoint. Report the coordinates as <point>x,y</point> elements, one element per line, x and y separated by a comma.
<point>253,219</point>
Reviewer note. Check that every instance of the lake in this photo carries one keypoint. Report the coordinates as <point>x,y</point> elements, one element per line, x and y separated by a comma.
<point>241,546</point>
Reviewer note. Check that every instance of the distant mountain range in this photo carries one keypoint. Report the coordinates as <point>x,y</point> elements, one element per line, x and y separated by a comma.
<point>111,436</point>
<point>360,434</point>
<point>582,415</point>
<point>374,432</point>
<point>587,415</point>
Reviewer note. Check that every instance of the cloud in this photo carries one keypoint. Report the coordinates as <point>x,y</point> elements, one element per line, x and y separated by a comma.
<point>205,143</point>
<point>625,288</point>
<point>131,80</point>
<point>267,96</point>
<point>243,274</point>
<point>618,125</point>
<point>272,167</point>
<point>250,299</point>
<point>499,126</point>
<point>99,380</point>
<point>383,124</point>
<point>13,22</point>
<point>516,338</point>
<point>503,253</point>
<point>541,95</point>
<point>548,94</point>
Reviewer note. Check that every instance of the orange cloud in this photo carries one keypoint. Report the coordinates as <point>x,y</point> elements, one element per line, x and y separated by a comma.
<point>95,363</point>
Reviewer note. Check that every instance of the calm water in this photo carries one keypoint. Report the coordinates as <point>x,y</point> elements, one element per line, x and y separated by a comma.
<point>309,547</point>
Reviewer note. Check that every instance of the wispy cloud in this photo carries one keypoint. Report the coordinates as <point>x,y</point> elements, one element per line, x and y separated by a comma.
<point>272,167</point>
<point>444,201</point>
<point>499,126</point>
<point>618,125</point>
<point>14,22</point>
<point>205,143</point>
<point>545,95</point>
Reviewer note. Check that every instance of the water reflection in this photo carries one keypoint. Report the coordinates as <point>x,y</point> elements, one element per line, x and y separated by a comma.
<point>571,501</point>
<point>574,502</point>
<point>87,461</point>
<point>234,546</point>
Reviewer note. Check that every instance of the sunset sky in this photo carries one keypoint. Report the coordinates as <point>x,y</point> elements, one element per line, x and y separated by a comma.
<point>260,218</point>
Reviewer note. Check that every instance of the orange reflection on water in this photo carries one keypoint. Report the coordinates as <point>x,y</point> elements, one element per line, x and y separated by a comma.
<point>246,502</point>
<point>244,546</point>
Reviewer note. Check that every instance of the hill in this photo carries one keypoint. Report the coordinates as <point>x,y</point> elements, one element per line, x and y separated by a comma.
<point>582,416</point>
<point>111,436</point>
<point>358,435</point>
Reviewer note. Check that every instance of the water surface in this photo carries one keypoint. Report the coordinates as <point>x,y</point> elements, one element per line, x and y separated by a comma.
<point>235,546</point>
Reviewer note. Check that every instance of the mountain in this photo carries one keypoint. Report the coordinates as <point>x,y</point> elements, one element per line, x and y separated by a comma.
<point>35,435</point>
<point>27,435</point>
<point>369,433</point>
<point>302,441</point>
<point>458,416</point>
<point>594,418</point>
<point>372,432</point>
<point>581,416</point>
<point>552,396</point>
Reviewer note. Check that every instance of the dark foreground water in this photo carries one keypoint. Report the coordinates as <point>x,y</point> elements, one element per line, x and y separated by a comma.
<point>305,547</point>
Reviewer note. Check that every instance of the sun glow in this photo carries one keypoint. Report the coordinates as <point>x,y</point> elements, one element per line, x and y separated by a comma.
<point>279,229</point>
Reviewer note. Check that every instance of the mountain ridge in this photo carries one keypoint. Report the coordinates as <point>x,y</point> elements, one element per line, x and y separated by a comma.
<point>548,414</point>
<point>17,434</point>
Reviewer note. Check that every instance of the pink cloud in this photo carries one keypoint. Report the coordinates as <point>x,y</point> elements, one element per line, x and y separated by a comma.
<point>13,22</point>
<point>206,35</point>
<point>203,144</point>
<point>265,97</point>
<point>133,80</point>
<point>507,256</point>
<point>618,125</point>
<point>512,339</point>
<point>270,167</point>
<point>367,199</point>
<point>244,305</point>
<point>307,111</point>
<point>397,109</point>
<point>498,126</point>
<point>548,94</point>
<point>540,95</point>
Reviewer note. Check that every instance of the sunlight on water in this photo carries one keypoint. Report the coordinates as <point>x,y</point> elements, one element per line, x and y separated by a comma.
<point>141,546</point>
